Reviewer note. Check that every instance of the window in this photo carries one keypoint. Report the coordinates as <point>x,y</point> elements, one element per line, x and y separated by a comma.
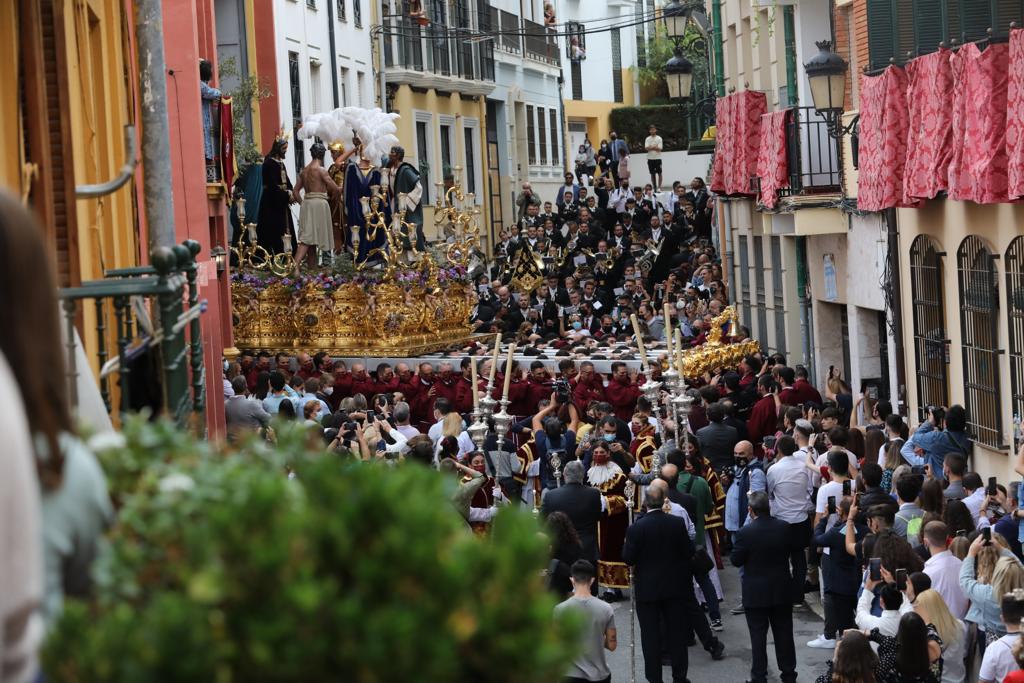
<point>896,27</point>
<point>744,293</point>
<point>531,134</point>
<point>357,13</point>
<point>341,11</point>
<point>777,300</point>
<point>343,84</point>
<point>360,88</point>
<point>762,313</point>
<point>423,157</point>
<point>641,35</point>
<point>470,136</point>
<point>315,94</point>
<point>979,325</point>
<point>929,309</point>
<point>542,136</point>
<point>446,153</point>
<point>296,95</point>
<point>311,4</point>
<point>556,159</point>
<point>1015,321</point>
<point>617,64</point>
<point>577,80</point>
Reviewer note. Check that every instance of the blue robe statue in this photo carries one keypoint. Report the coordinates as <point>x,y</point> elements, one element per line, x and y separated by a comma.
<point>357,185</point>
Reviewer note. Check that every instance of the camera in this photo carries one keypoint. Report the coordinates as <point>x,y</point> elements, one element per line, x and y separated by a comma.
<point>562,392</point>
<point>768,442</point>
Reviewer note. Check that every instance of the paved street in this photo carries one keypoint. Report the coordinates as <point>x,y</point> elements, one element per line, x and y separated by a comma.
<point>736,665</point>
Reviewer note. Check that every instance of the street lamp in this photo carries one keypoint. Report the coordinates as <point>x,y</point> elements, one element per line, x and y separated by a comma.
<point>679,76</point>
<point>826,73</point>
<point>676,16</point>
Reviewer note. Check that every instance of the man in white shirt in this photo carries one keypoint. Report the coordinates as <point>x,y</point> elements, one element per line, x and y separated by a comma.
<point>401,414</point>
<point>891,599</point>
<point>839,469</point>
<point>653,144</point>
<point>442,407</point>
<point>976,500</point>
<point>789,492</point>
<point>999,660</point>
<point>943,568</point>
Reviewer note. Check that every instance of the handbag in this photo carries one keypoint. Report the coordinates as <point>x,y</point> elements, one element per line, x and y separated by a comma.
<point>702,562</point>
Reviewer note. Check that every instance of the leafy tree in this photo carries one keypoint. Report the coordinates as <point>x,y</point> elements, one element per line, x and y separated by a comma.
<point>224,569</point>
<point>660,48</point>
<point>246,95</point>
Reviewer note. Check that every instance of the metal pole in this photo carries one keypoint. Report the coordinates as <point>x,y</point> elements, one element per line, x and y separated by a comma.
<point>156,136</point>
<point>380,61</point>
<point>334,54</point>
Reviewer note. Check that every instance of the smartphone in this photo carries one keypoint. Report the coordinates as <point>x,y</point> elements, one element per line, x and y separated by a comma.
<point>901,579</point>
<point>856,499</point>
<point>875,568</point>
<point>846,487</point>
<point>986,533</point>
<point>370,416</point>
<point>831,505</point>
<point>991,486</point>
<point>873,392</point>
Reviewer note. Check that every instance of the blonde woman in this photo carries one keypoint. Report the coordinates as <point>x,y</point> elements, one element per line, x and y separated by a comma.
<point>953,632</point>
<point>982,581</point>
<point>452,426</point>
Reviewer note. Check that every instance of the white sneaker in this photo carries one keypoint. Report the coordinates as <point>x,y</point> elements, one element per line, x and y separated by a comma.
<point>822,643</point>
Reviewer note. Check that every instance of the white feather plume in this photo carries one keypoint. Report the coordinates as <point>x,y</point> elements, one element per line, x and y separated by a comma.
<point>375,128</point>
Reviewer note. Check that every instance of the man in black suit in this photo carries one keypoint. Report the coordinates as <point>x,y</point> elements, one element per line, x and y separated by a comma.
<point>581,503</point>
<point>761,548</point>
<point>717,439</point>
<point>659,549</point>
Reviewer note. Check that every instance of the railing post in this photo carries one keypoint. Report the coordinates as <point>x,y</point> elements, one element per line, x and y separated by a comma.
<point>176,385</point>
<point>195,332</point>
<point>72,373</point>
<point>123,339</point>
<point>101,342</point>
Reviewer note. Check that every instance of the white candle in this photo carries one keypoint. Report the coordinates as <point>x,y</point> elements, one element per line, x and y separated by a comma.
<point>668,333</point>
<point>494,362</point>
<point>476,394</point>
<point>639,341</point>
<point>508,371</point>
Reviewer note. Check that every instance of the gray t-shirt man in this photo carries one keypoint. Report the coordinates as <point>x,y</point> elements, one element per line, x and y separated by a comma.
<point>598,617</point>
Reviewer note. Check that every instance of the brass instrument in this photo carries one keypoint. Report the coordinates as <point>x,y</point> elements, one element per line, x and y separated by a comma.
<point>646,262</point>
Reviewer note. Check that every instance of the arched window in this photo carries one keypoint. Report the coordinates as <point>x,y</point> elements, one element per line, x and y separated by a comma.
<point>929,309</point>
<point>1015,321</point>
<point>979,332</point>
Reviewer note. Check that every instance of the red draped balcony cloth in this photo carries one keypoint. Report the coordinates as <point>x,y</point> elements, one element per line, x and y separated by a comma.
<point>884,130</point>
<point>979,170</point>
<point>737,141</point>
<point>930,146</point>
<point>772,161</point>
<point>1015,116</point>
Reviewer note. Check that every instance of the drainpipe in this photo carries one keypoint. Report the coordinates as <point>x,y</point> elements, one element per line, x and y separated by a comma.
<point>716,41</point>
<point>789,28</point>
<point>380,62</point>
<point>896,311</point>
<point>334,54</point>
<point>806,319</point>
<point>156,130</point>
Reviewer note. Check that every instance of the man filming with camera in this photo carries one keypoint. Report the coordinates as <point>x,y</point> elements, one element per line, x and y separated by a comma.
<point>551,435</point>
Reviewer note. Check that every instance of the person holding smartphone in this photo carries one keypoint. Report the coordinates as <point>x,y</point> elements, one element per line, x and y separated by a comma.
<point>839,570</point>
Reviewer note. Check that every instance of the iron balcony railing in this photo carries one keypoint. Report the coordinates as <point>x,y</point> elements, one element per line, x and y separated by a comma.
<point>156,333</point>
<point>443,50</point>
<point>540,43</point>
<point>815,165</point>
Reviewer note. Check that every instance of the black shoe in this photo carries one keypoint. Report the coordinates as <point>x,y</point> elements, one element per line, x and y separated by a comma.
<point>612,596</point>
<point>717,651</point>
<point>692,641</point>
<point>810,587</point>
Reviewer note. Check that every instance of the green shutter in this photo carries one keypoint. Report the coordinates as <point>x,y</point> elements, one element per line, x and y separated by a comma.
<point>975,19</point>
<point>953,20</point>
<point>929,25</point>
<point>1007,11</point>
<point>904,32</point>
<point>881,33</point>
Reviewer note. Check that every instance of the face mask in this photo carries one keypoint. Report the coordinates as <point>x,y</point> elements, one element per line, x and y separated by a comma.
<point>577,325</point>
<point>225,366</point>
<point>481,468</point>
<point>600,458</point>
<point>328,391</point>
<point>609,437</point>
<point>740,462</point>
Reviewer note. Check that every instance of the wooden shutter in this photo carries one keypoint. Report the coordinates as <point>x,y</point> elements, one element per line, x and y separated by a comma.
<point>930,25</point>
<point>881,33</point>
<point>1005,12</point>
<point>975,19</point>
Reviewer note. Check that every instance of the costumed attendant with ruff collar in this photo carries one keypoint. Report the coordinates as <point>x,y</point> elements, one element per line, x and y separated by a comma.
<point>315,228</point>
<point>608,478</point>
<point>275,219</point>
<point>402,177</point>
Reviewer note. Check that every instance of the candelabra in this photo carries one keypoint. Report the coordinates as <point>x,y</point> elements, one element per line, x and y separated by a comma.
<point>682,404</point>
<point>478,429</point>
<point>651,391</point>
<point>456,215</point>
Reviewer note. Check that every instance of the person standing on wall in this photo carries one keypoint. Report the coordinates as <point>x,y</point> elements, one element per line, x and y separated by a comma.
<point>654,145</point>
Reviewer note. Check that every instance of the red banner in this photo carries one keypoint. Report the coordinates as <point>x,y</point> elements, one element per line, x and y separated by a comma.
<point>980,166</point>
<point>884,128</point>
<point>772,161</point>
<point>737,141</point>
<point>930,145</point>
<point>1015,116</point>
<point>226,144</point>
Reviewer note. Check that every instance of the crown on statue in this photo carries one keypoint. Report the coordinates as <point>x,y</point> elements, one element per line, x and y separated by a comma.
<point>336,147</point>
<point>282,135</point>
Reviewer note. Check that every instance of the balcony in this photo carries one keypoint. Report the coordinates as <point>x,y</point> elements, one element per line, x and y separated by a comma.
<point>446,58</point>
<point>540,43</point>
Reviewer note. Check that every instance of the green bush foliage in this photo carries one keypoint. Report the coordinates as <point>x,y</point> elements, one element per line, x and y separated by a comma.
<point>632,122</point>
<point>224,569</point>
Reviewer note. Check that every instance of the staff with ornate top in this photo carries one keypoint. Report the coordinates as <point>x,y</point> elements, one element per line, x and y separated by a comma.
<point>630,494</point>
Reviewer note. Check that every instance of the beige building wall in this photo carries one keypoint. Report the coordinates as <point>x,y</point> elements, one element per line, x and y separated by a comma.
<point>948,223</point>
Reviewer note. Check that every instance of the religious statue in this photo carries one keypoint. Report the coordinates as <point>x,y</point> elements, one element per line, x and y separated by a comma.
<point>340,157</point>
<point>360,179</point>
<point>275,218</point>
<point>401,177</point>
<point>315,228</point>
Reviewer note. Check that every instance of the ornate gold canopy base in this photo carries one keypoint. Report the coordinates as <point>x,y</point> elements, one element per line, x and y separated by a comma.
<point>353,319</point>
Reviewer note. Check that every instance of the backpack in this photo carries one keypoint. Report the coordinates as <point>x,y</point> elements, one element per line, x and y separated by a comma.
<point>913,525</point>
